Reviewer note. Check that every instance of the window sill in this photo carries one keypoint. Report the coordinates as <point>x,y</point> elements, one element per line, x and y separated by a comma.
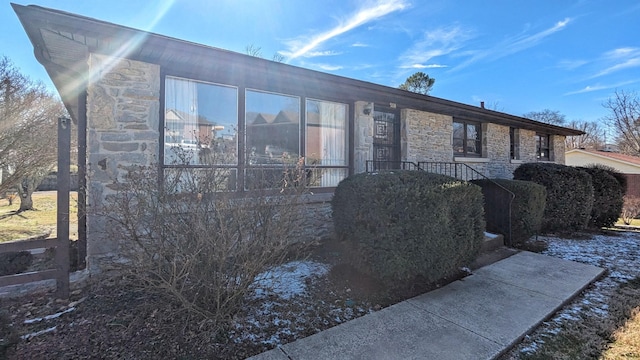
<point>471,159</point>
<point>514,161</point>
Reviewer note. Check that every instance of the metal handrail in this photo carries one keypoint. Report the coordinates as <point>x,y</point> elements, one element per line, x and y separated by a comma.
<point>465,172</point>
<point>377,165</point>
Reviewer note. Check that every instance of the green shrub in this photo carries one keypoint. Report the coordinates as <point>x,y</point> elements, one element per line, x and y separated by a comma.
<point>527,208</point>
<point>15,262</point>
<point>620,177</point>
<point>404,224</point>
<point>607,197</point>
<point>569,195</point>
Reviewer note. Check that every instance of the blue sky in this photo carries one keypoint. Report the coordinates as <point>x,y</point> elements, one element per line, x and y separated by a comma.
<point>516,56</point>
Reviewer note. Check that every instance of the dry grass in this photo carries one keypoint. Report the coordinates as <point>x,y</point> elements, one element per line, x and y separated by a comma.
<point>614,336</point>
<point>15,226</point>
<point>626,344</point>
<point>634,222</point>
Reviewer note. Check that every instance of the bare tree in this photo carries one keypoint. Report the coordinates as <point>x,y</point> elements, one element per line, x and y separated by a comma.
<point>594,137</point>
<point>419,83</point>
<point>624,118</point>
<point>28,124</point>
<point>553,117</point>
<point>256,51</point>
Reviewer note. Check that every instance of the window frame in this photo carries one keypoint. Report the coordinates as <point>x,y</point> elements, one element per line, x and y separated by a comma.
<point>163,125</point>
<point>319,168</point>
<point>239,169</point>
<point>539,148</point>
<point>465,140</point>
<point>514,144</point>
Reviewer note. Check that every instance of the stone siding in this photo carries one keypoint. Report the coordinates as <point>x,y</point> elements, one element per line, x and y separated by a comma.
<point>557,148</point>
<point>363,137</point>
<point>426,136</point>
<point>527,146</point>
<point>123,100</point>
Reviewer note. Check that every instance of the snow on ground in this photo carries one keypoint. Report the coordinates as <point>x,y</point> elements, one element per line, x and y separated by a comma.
<point>278,295</point>
<point>619,253</point>
<point>288,280</point>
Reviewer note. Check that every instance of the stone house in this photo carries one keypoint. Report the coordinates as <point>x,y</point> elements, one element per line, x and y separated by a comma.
<point>134,93</point>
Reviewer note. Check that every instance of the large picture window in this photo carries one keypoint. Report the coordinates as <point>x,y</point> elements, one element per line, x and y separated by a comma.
<point>200,123</point>
<point>202,126</point>
<point>273,128</point>
<point>326,141</point>
<point>467,141</point>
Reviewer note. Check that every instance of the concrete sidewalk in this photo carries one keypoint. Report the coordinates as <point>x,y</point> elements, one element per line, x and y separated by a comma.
<point>478,317</point>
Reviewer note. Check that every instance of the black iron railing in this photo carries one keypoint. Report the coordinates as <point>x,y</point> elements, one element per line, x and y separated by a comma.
<point>459,171</point>
<point>498,200</point>
<point>375,165</point>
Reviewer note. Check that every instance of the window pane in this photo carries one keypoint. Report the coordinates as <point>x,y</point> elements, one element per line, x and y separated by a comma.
<point>199,180</point>
<point>326,177</point>
<point>200,123</point>
<point>326,142</point>
<point>473,139</point>
<point>458,139</point>
<point>273,128</point>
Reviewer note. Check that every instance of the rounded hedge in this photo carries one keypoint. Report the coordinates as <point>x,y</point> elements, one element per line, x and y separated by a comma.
<point>527,207</point>
<point>607,197</point>
<point>403,224</point>
<point>569,194</point>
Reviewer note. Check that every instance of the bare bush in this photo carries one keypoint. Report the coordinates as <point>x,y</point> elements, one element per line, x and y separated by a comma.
<point>630,209</point>
<point>201,246</point>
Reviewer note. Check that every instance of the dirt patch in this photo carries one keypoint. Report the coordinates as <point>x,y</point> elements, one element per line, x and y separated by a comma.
<point>116,319</point>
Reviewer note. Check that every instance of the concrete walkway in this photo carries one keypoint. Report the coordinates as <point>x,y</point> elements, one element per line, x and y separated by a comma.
<point>478,317</point>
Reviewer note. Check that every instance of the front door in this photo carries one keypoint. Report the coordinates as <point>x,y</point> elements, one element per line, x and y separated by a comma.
<point>386,138</point>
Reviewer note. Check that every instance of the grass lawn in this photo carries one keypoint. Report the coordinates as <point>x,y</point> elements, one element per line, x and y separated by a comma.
<point>35,222</point>
<point>634,222</point>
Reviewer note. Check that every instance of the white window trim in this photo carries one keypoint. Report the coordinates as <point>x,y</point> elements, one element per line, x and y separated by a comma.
<point>471,159</point>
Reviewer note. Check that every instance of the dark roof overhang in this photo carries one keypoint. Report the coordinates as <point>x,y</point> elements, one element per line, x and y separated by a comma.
<point>63,41</point>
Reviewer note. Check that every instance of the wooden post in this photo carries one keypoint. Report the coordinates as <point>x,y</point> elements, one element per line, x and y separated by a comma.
<point>62,250</point>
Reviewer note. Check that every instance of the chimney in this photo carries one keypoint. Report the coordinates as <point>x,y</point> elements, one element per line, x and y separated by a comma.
<point>482,104</point>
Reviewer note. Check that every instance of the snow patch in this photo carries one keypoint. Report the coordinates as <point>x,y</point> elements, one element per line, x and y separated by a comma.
<point>288,280</point>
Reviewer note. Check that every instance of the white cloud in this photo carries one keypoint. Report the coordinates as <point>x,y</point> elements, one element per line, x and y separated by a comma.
<point>515,44</point>
<point>619,59</point>
<point>571,64</point>
<point>438,42</point>
<point>591,88</point>
<point>328,67</point>
<point>367,13</point>
<point>359,44</point>
<point>421,66</point>
<point>321,53</point>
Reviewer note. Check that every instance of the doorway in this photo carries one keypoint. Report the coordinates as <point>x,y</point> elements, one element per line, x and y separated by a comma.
<point>386,138</point>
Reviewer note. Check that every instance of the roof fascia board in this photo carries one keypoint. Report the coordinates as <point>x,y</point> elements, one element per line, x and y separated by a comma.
<point>32,17</point>
<point>603,157</point>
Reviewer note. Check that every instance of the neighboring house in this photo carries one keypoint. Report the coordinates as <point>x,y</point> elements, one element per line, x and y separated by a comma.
<point>129,92</point>
<point>626,164</point>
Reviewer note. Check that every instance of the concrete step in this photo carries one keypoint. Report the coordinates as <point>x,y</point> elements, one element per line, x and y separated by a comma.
<point>492,242</point>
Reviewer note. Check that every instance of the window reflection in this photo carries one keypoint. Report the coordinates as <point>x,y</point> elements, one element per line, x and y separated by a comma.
<point>200,123</point>
<point>273,128</point>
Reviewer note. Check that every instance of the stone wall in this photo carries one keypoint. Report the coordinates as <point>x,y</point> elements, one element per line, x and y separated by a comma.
<point>557,148</point>
<point>527,145</point>
<point>498,151</point>
<point>362,137</point>
<point>426,136</point>
<point>123,101</point>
